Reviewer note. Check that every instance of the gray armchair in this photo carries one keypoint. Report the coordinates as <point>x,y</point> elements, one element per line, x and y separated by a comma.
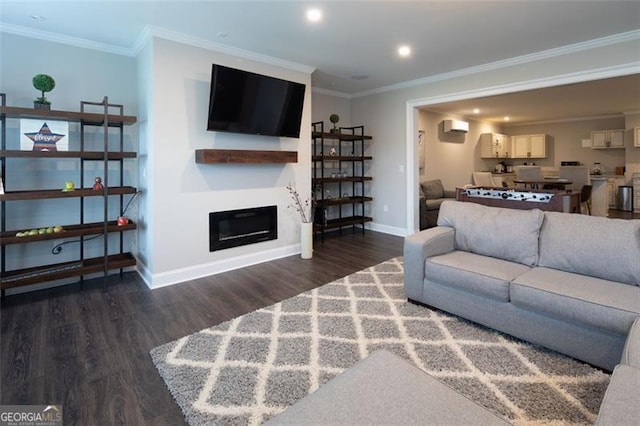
<point>432,194</point>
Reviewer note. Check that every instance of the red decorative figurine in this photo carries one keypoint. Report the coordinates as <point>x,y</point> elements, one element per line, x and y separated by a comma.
<point>97,186</point>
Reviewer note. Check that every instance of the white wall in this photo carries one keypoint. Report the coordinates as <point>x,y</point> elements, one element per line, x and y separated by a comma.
<point>325,104</point>
<point>452,158</point>
<point>80,75</point>
<point>385,114</point>
<point>183,193</point>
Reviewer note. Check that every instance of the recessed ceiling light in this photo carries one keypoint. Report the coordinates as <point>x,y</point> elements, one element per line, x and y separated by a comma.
<point>39,17</point>
<point>476,110</point>
<point>314,15</point>
<point>507,118</point>
<point>404,51</point>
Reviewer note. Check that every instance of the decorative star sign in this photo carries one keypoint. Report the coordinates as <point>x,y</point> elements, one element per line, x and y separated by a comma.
<point>44,139</point>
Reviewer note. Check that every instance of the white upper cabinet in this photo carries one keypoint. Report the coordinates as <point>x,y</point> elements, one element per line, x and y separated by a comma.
<point>636,137</point>
<point>494,145</point>
<point>529,146</point>
<point>602,139</point>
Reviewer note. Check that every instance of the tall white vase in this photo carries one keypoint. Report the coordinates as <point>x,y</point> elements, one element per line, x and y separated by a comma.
<point>306,240</point>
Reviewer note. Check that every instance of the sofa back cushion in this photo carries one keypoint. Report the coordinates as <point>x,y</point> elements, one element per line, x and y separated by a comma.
<point>597,246</point>
<point>432,189</point>
<point>507,234</point>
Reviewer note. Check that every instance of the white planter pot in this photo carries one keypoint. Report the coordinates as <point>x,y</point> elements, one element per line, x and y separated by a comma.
<point>306,240</point>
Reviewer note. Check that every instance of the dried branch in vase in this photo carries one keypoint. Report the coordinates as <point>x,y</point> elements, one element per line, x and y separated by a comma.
<point>305,208</point>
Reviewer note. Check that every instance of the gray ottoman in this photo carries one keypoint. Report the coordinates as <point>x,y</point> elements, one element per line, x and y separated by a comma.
<point>385,389</point>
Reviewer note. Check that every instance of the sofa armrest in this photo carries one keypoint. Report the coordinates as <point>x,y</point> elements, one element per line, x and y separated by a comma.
<point>631,351</point>
<point>419,246</point>
<point>450,193</point>
<point>621,403</point>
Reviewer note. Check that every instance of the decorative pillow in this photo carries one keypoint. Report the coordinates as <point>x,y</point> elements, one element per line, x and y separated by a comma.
<point>432,189</point>
<point>508,234</point>
<point>589,245</point>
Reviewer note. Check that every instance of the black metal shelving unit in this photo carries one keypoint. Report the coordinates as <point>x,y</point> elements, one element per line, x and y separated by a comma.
<point>107,117</point>
<point>345,187</point>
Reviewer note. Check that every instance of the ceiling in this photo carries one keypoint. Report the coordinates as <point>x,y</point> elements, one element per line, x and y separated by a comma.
<point>607,97</point>
<point>353,48</point>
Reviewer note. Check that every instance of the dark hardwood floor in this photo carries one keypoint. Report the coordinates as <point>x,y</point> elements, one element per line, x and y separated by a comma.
<point>88,349</point>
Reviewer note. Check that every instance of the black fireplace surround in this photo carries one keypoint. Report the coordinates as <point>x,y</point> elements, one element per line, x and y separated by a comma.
<point>235,228</point>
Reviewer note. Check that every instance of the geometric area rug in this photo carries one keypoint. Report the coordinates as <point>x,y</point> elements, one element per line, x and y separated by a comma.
<point>246,370</point>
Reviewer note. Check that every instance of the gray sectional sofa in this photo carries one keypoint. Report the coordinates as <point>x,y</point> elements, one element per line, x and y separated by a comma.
<point>567,282</point>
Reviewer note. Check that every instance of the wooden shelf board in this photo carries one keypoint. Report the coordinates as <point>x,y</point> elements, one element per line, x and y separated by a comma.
<point>340,158</point>
<point>345,221</point>
<point>58,271</point>
<point>57,193</point>
<point>240,156</point>
<point>316,181</point>
<point>343,200</point>
<point>69,231</point>
<point>86,117</point>
<point>87,155</point>
<point>340,136</point>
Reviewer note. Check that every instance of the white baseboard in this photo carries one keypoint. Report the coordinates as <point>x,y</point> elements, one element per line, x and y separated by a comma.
<point>385,229</point>
<point>177,276</point>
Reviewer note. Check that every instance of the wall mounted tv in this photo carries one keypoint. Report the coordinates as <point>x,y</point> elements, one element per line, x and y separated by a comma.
<point>245,102</point>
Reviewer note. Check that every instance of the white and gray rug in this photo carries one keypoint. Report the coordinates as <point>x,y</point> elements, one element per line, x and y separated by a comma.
<point>248,369</point>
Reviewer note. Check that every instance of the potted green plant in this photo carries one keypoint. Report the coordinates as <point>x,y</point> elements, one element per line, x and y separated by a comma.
<point>44,83</point>
<point>334,118</point>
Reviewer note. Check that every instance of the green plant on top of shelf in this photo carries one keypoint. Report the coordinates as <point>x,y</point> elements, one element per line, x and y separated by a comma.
<point>334,118</point>
<point>44,83</point>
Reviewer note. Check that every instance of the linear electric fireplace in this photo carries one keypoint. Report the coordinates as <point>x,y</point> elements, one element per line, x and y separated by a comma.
<point>234,228</point>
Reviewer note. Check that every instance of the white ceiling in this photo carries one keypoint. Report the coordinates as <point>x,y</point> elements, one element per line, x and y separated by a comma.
<point>353,49</point>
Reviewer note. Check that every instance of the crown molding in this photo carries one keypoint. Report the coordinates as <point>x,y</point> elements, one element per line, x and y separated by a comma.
<point>151,31</point>
<point>333,93</point>
<point>63,39</point>
<point>518,60</point>
<point>145,37</point>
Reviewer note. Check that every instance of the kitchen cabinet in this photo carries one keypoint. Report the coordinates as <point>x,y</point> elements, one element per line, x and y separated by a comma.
<point>636,137</point>
<point>612,190</point>
<point>604,139</point>
<point>529,146</point>
<point>494,145</point>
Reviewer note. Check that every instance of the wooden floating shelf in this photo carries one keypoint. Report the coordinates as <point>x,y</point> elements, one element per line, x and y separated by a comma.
<point>87,155</point>
<point>69,231</point>
<point>79,117</point>
<point>239,156</point>
<point>58,271</point>
<point>57,193</point>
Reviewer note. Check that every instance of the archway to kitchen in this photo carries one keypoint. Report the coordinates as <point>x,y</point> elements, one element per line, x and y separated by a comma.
<point>412,121</point>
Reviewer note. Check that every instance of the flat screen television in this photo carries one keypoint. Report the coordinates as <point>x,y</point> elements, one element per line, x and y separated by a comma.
<point>246,102</point>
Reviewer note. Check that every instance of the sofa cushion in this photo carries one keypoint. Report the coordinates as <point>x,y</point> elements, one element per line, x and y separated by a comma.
<point>474,273</point>
<point>507,234</point>
<point>596,246</point>
<point>595,302</point>
<point>432,189</point>
<point>631,351</point>
<point>621,404</point>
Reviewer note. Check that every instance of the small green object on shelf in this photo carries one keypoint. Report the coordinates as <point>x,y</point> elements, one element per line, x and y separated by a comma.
<point>44,83</point>
<point>334,118</point>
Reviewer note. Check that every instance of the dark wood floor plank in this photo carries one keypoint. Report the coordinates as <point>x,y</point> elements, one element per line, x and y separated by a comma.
<point>88,349</point>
